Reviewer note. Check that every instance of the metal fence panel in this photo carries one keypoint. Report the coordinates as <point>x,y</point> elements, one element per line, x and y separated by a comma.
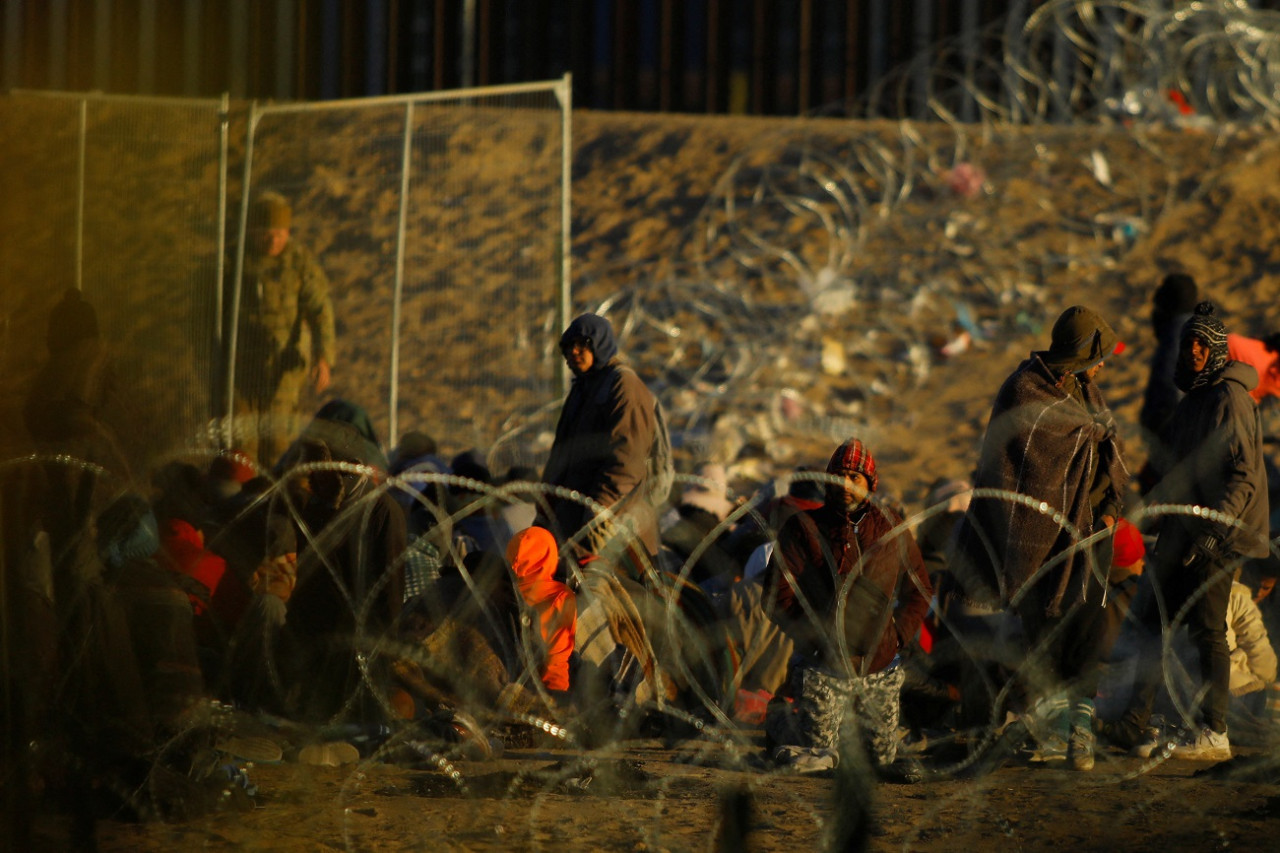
<point>120,197</point>
<point>427,248</point>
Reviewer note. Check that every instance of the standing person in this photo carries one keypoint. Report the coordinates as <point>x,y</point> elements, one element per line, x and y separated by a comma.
<point>601,448</point>
<point>1050,438</point>
<point>286,332</point>
<point>1171,307</point>
<point>1216,436</point>
<point>846,665</point>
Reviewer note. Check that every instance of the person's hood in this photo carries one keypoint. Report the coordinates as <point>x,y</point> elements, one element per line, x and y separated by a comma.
<point>346,440</point>
<point>346,412</point>
<point>181,537</point>
<point>533,556</point>
<point>596,329</point>
<point>1238,371</point>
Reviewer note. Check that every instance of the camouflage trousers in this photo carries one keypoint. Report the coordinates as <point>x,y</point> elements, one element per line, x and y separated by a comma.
<point>827,703</point>
<point>266,423</point>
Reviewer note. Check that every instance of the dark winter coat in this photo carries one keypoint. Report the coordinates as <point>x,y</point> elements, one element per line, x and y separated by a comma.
<point>1216,436</point>
<point>350,577</point>
<point>603,438</point>
<point>1161,395</point>
<point>820,552</point>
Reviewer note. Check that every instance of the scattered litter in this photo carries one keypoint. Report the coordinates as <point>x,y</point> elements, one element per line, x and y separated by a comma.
<point>806,759</point>
<point>966,180</point>
<point>957,345</point>
<point>834,362</point>
<point>1101,168</point>
<point>790,405</point>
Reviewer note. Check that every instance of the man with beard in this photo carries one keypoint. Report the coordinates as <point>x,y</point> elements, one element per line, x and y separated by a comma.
<point>1215,435</point>
<point>850,585</point>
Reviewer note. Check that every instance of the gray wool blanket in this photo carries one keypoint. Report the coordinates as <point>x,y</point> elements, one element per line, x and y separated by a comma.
<point>1053,448</point>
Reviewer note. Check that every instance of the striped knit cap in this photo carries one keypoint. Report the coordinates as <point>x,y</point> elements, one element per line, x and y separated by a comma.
<point>1205,325</point>
<point>852,457</point>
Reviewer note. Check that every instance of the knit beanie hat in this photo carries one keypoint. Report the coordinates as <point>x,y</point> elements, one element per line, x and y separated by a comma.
<point>852,457</point>
<point>1127,547</point>
<point>1081,339</point>
<point>1205,326</point>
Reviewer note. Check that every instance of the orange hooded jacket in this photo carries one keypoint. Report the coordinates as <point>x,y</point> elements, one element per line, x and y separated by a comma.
<point>533,556</point>
<point>1254,353</point>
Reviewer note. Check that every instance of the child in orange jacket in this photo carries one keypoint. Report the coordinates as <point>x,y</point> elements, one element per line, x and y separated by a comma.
<point>533,556</point>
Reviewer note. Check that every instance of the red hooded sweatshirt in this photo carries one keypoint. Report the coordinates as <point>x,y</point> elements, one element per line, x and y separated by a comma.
<point>533,556</point>
<point>182,550</point>
<point>1254,353</point>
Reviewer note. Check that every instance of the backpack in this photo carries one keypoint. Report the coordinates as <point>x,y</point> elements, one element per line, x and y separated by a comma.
<point>660,468</point>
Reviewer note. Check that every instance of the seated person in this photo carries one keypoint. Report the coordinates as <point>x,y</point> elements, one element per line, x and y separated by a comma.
<point>852,596</point>
<point>703,505</point>
<point>534,557</point>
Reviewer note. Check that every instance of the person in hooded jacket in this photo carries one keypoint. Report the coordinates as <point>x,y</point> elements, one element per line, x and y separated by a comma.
<point>601,449</point>
<point>1050,438</point>
<point>851,550</point>
<point>1215,433</point>
<point>1263,355</point>
<point>533,556</point>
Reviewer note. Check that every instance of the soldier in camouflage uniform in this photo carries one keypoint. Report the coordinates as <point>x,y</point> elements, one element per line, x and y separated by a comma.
<point>286,332</point>
<point>851,587</point>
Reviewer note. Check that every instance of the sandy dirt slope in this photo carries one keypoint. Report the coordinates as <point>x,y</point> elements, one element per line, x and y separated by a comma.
<point>813,269</point>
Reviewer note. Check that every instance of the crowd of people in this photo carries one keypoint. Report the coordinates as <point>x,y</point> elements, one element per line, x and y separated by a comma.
<point>347,583</point>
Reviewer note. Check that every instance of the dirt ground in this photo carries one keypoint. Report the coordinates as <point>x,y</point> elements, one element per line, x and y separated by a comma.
<point>701,795</point>
<point>692,221</point>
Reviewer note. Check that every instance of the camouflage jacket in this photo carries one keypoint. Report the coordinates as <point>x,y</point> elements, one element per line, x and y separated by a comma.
<point>287,318</point>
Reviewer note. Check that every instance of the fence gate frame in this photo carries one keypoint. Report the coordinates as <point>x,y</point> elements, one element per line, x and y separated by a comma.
<point>563,91</point>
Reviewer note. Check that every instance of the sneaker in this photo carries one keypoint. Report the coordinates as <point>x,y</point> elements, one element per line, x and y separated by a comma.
<point>1080,748</point>
<point>1206,745</point>
<point>1051,748</point>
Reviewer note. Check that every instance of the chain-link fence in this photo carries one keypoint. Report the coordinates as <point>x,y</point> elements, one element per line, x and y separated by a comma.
<point>415,225</point>
<point>122,199</point>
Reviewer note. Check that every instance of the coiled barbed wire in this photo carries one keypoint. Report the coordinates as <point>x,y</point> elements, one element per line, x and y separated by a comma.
<point>824,220</point>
